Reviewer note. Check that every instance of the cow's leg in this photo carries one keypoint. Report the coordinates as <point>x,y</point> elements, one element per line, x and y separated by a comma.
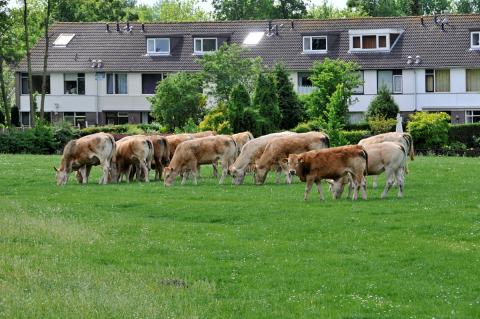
<point>320,190</point>
<point>184,177</point>
<point>308,188</point>
<point>363,186</point>
<point>83,172</point>
<point>224,171</point>
<point>215,169</point>
<point>144,169</point>
<point>389,174</point>
<point>400,179</point>
<point>278,174</point>
<point>195,174</point>
<point>375,181</point>
<point>158,169</point>
<point>127,174</point>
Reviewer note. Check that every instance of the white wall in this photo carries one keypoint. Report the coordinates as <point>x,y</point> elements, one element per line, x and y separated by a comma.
<point>458,81</point>
<point>370,82</point>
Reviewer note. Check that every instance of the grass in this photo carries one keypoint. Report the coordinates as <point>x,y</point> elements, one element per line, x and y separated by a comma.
<point>210,251</point>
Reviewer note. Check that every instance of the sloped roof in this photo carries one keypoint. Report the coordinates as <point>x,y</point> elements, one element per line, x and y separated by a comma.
<point>123,51</point>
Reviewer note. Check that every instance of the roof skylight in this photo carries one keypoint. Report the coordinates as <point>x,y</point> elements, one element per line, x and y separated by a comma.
<point>253,38</point>
<point>63,39</point>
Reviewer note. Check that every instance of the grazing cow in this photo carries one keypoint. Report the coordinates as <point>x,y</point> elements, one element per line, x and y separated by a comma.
<point>83,153</point>
<point>190,154</point>
<point>331,163</point>
<point>161,154</point>
<point>241,139</point>
<point>205,134</point>
<point>279,149</point>
<point>404,139</point>
<point>175,140</point>
<point>388,157</point>
<point>132,151</point>
<point>250,152</point>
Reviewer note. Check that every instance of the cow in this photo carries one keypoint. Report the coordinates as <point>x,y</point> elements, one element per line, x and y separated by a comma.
<point>175,139</point>
<point>205,134</point>
<point>279,148</point>
<point>132,152</point>
<point>331,163</point>
<point>83,153</point>
<point>404,139</point>
<point>241,139</point>
<point>190,154</point>
<point>161,154</point>
<point>388,157</point>
<point>250,152</point>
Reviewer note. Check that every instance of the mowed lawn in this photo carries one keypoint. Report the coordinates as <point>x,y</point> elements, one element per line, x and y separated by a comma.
<point>211,251</point>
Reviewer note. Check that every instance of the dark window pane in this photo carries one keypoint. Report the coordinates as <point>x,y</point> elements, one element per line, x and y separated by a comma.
<point>304,79</point>
<point>369,42</point>
<point>319,43</point>
<point>81,86</point>
<point>109,83</point>
<point>209,45</point>
<point>429,83</point>
<point>382,41</point>
<point>24,85</point>
<point>149,83</point>
<point>356,42</point>
<point>393,37</point>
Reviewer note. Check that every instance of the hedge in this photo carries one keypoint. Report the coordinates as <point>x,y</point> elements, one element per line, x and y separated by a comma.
<point>468,134</point>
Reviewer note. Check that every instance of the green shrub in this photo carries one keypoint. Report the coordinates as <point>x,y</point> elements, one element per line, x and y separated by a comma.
<point>190,126</point>
<point>429,130</point>
<point>360,126</point>
<point>312,125</point>
<point>266,102</point>
<point>239,102</point>
<point>465,133</point>
<point>383,105</point>
<point>290,107</point>
<point>379,124</point>
<point>64,133</point>
<point>216,120</point>
<point>252,121</point>
<point>353,137</point>
<point>38,140</point>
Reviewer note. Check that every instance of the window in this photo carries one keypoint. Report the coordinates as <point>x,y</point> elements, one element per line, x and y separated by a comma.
<point>74,83</point>
<point>62,40</point>
<point>115,118</point>
<point>473,80</point>
<point>373,39</point>
<point>36,83</point>
<point>150,81</point>
<point>359,89</point>
<point>304,79</point>
<point>117,83</point>
<point>391,79</point>
<point>75,118</point>
<point>315,44</point>
<point>203,45</point>
<point>253,38</point>
<point>472,116</point>
<point>158,46</point>
<point>437,80</point>
<point>475,40</point>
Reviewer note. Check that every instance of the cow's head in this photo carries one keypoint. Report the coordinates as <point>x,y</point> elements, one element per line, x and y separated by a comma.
<point>237,174</point>
<point>113,173</point>
<point>294,164</point>
<point>260,173</point>
<point>336,187</point>
<point>169,175</point>
<point>61,176</point>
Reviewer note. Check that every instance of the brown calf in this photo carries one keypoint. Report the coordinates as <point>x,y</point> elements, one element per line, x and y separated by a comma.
<point>132,151</point>
<point>331,163</point>
<point>161,154</point>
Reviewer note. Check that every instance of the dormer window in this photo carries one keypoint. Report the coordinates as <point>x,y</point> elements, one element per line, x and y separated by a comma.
<point>475,40</point>
<point>63,39</point>
<point>158,46</point>
<point>315,44</point>
<point>204,45</point>
<point>373,40</point>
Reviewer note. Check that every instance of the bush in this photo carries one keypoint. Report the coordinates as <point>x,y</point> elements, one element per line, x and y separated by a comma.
<point>383,105</point>
<point>266,102</point>
<point>465,133</point>
<point>64,133</point>
<point>38,140</point>
<point>379,124</point>
<point>429,130</point>
<point>216,120</point>
<point>239,101</point>
<point>252,121</point>
<point>313,125</point>
<point>290,107</point>
<point>353,137</point>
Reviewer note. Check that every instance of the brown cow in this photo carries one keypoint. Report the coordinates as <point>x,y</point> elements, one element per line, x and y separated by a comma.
<point>161,154</point>
<point>190,154</point>
<point>241,139</point>
<point>388,157</point>
<point>250,152</point>
<point>132,151</point>
<point>205,134</point>
<point>175,139</point>
<point>83,153</point>
<point>331,163</point>
<point>279,148</point>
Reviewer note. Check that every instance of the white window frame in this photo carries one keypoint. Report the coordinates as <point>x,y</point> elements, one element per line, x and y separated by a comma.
<point>75,117</point>
<point>474,47</point>
<point>201,52</point>
<point>398,76</point>
<point>469,117</point>
<point>155,45</point>
<point>63,40</point>
<point>377,49</point>
<point>64,80</point>
<point>311,37</point>
<point>114,75</point>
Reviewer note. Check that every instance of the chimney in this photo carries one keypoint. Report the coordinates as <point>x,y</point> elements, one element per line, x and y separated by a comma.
<point>107,28</point>
<point>143,27</point>
<point>118,27</point>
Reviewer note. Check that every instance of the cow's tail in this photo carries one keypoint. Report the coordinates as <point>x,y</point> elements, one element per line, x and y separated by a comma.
<point>150,153</point>
<point>364,154</point>
<point>114,148</point>
<point>408,138</point>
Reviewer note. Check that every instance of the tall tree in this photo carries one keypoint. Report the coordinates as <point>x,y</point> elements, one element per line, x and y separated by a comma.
<point>4,37</point>
<point>291,9</point>
<point>29,64</point>
<point>45,61</point>
<point>288,103</point>
<point>94,11</point>
<point>239,102</point>
<point>266,102</point>
<point>326,10</point>
<point>243,9</point>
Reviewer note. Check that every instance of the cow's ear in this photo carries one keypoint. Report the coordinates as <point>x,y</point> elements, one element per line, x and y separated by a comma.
<point>55,169</point>
<point>300,160</point>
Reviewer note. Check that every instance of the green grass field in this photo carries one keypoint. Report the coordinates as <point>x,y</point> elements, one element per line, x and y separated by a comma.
<point>210,251</point>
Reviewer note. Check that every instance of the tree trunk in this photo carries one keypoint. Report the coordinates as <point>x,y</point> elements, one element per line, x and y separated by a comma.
<point>4,95</point>
<point>29,64</point>
<point>45,61</point>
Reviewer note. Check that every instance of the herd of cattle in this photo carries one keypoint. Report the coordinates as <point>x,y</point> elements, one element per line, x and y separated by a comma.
<point>306,155</point>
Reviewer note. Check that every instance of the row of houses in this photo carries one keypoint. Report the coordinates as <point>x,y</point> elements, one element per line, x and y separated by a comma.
<point>103,73</point>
